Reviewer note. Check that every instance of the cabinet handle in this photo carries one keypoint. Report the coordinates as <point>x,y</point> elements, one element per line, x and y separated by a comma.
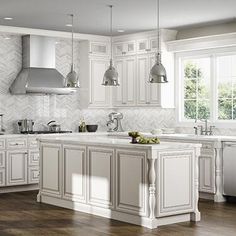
<point>147,102</point>
<point>148,50</point>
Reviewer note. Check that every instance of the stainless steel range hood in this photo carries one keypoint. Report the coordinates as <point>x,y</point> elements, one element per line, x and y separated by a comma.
<point>38,74</point>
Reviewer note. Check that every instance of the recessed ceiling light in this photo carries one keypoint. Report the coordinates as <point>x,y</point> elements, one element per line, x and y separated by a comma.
<point>8,18</point>
<point>69,25</point>
<point>7,38</point>
<point>120,31</point>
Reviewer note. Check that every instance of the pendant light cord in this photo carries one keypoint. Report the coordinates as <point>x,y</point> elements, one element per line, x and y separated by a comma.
<point>72,40</point>
<point>158,28</point>
<point>111,29</point>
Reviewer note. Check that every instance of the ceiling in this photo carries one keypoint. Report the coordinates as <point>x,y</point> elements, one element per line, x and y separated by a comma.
<point>92,16</point>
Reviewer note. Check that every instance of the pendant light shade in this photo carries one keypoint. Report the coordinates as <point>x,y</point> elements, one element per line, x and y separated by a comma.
<point>110,77</point>
<point>72,79</point>
<point>158,71</point>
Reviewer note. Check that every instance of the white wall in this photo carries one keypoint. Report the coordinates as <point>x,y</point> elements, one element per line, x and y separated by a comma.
<point>207,30</point>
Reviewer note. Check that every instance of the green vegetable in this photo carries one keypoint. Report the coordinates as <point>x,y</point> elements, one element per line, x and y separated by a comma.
<point>146,140</point>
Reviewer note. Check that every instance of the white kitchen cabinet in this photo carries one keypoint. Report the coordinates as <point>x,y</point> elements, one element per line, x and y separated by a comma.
<point>147,45</point>
<point>2,177</point>
<point>2,144</point>
<point>100,95</point>
<point>17,167</point>
<point>130,188</point>
<point>125,94</point>
<point>50,169</point>
<point>33,157</point>
<point>16,143</point>
<point>74,165</point>
<point>33,175</point>
<point>207,169</point>
<point>92,68</point>
<point>100,176</point>
<point>99,48</point>
<point>2,159</point>
<point>147,94</point>
<point>124,48</point>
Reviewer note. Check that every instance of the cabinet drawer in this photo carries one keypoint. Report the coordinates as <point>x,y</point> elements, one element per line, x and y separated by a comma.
<point>2,177</point>
<point>33,175</point>
<point>2,159</point>
<point>33,157</point>
<point>2,144</point>
<point>33,143</point>
<point>16,143</point>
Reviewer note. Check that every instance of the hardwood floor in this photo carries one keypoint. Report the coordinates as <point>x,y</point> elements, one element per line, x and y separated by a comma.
<point>21,215</point>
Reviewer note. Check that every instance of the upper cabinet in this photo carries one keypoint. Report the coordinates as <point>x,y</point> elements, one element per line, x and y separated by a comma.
<point>125,94</point>
<point>124,48</point>
<point>146,45</point>
<point>134,56</point>
<point>94,61</point>
<point>99,48</point>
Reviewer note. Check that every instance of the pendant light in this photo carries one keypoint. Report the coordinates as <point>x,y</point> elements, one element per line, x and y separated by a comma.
<point>158,71</point>
<point>72,79</point>
<point>110,77</point>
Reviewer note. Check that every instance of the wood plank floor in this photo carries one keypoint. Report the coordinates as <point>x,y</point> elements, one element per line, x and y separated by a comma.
<point>21,215</point>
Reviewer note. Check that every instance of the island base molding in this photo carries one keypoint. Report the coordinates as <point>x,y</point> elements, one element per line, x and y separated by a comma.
<point>120,216</point>
<point>19,188</point>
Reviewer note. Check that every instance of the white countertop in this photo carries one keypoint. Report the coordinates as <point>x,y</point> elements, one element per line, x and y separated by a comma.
<point>190,137</point>
<point>105,140</point>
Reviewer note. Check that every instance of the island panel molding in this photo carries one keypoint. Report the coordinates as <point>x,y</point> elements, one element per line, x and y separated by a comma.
<point>130,184</point>
<point>100,180</point>
<point>178,169</point>
<point>74,181</point>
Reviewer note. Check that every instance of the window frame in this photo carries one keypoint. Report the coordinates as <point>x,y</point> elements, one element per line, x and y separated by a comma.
<point>179,85</point>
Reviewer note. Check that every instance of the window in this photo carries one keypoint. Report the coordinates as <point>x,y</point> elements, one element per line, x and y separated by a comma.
<point>207,85</point>
<point>226,77</point>
<point>196,88</point>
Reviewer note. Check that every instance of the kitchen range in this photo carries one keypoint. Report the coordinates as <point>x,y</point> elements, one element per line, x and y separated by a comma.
<point>122,127</point>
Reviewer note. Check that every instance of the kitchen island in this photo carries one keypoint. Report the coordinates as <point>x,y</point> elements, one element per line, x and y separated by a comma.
<point>148,185</point>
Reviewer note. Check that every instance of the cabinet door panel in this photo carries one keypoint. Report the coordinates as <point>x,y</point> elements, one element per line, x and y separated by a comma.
<point>34,157</point>
<point>50,169</point>
<point>142,79</point>
<point>154,97</point>
<point>118,91</point>
<point>33,175</point>
<point>2,178</point>
<point>2,159</point>
<point>74,172</point>
<point>100,177</point>
<point>17,167</point>
<point>207,173</point>
<point>131,186</point>
<point>99,93</point>
<point>129,89</point>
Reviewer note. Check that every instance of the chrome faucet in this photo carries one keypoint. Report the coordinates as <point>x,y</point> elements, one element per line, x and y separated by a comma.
<point>114,123</point>
<point>206,130</point>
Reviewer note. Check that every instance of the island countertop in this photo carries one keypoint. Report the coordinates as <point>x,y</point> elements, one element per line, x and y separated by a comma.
<point>109,141</point>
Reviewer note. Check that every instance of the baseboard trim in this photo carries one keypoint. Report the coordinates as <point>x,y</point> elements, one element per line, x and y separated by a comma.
<point>116,215</point>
